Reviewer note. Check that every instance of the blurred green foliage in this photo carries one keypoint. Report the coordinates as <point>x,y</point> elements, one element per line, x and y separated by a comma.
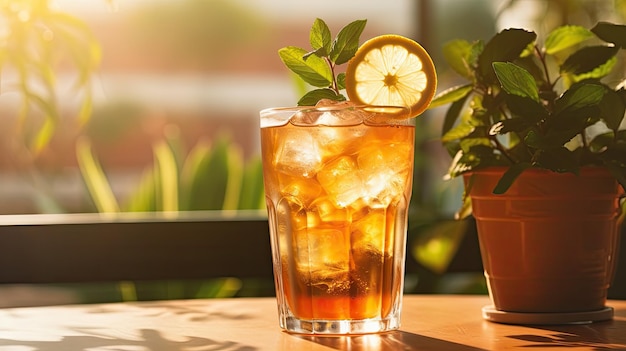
<point>35,41</point>
<point>211,176</point>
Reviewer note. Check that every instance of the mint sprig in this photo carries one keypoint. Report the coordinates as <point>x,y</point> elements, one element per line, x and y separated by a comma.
<point>317,66</point>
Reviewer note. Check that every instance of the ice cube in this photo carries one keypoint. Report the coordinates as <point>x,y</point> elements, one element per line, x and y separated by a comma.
<point>342,181</point>
<point>323,249</point>
<point>298,154</point>
<point>369,231</point>
<point>305,190</point>
<point>323,211</point>
<point>386,170</point>
<point>330,113</point>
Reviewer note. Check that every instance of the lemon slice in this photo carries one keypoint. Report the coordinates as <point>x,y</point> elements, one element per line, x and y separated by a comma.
<point>392,70</point>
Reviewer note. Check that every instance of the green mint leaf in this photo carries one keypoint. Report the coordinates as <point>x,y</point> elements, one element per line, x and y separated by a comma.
<point>516,80</point>
<point>565,37</point>
<point>579,96</point>
<point>312,69</point>
<point>457,132</point>
<point>453,114</point>
<point>612,109</point>
<point>611,33</point>
<point>312,97</point>
<point>558,160</point>
<point>457,54</point>
<point>509,177</point>
<point>320,38</point>
<point>346,43</point>
<point>341,81</point>
<point>451,95</point>
<point>588,59</point>
<point>506,46</point>
<point>599,72</point>
<point>510,125</point>
<point>528,109</point>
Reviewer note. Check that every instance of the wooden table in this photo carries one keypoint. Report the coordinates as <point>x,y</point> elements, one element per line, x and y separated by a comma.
<point>429,322</point>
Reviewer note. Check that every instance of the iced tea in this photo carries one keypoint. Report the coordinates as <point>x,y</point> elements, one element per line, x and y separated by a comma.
<point>338,182</point>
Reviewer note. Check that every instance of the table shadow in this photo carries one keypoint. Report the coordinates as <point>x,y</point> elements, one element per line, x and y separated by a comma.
<point>591,336</point>
<point>390,341</point>
<point>150,339</point>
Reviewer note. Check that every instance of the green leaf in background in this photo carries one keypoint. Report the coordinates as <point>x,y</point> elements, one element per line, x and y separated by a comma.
<point>143,199</point>
<point>94,178</point>
<point>451,95</point>
<point>167,175</point>
<point>611,33</point>
<point>588,59</point>
<point>454,112</point>
<point>320,37</point>
<point>506,46</point>
<point>346,43</point>
<point>234,160</point>
<point>313,70</point>
<point>516,80</point>
<point>565,37</point>
<point>437,244</point>
<point>457,54</point>
<point>252,194</point>
<point>207,181</point>
<point>460,131</point>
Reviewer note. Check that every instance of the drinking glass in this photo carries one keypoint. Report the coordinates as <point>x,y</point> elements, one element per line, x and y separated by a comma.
<point>338,183</point>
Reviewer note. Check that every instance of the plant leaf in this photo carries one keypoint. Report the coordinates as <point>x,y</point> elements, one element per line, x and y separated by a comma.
<point>505,46</point>
<point>612,109</point>
<point>167,173</point>
<point>320,37</point>
<point>510,125</point>
<point>252,195</point>
<point>565,37</point>
<point>516,80</point>
<point>529,109</point>
<point>509,177</point>
<point>341,81</point>
<point>457,54</point>
<point>347,42</point>
<point>453,114</point>
<point>611,33</point>
<point>558,160</point>
<point>588,59</point>
<point>451,95</point>
<point>312,97</point>
<point>580,95</point>
<point>458,132</point>
<point>599,72</point>
<point>312,70</point>
<point>94,178</point>
<point>601,141</point>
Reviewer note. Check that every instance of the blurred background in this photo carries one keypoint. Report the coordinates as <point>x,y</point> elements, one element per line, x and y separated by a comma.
<point>152,105</point>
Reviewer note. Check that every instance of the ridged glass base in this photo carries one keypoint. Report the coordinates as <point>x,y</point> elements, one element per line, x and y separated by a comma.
<point>340,327</point>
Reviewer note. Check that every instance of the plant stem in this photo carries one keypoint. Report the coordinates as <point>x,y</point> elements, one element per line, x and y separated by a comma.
<point>542,58</point>
<point>330,63</point>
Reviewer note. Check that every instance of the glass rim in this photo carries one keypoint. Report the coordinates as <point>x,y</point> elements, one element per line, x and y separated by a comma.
<point>388,109</point>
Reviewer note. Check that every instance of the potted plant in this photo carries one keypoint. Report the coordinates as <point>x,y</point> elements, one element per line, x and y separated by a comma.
<point>538,135</point>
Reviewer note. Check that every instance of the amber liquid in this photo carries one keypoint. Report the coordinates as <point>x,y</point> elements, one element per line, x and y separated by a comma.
<point>337,199</point>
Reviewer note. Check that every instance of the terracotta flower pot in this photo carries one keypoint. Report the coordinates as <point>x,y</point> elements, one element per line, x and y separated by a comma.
<point>549,244</point>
